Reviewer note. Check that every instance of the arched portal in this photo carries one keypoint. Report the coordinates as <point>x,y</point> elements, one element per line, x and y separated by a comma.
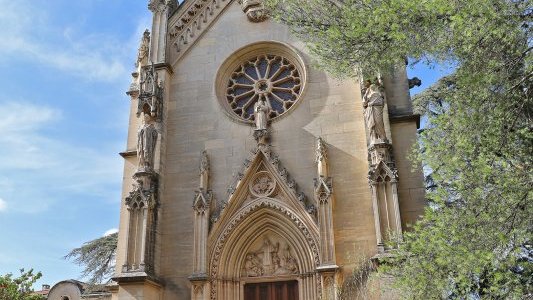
<point>265,241</point>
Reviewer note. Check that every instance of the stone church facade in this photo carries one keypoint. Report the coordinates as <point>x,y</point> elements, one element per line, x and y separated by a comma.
<point>250,174</point>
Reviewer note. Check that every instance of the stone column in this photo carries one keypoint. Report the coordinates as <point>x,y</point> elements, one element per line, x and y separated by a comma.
<point>377,223</point>
<point>201,209</point>
<point>161,10</point>
<point>324,199</point>
<point>382,174</point>
<point>396,210</point>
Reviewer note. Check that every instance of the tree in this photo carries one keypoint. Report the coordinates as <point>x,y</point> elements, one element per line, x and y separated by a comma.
<point>19,288</point>
<point>476,236</point>
<point>97,257</point>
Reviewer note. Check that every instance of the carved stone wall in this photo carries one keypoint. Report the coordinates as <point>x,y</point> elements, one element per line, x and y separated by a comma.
<point>201,38</point>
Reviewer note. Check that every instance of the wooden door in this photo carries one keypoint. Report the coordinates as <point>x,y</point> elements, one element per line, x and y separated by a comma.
<point>281,290</point>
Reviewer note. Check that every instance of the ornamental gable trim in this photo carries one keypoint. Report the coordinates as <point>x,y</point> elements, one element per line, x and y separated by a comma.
<point>190,22</point>
<point>263,176</point>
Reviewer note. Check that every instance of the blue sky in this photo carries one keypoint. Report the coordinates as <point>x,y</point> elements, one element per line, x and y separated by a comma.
<point>65,68</point>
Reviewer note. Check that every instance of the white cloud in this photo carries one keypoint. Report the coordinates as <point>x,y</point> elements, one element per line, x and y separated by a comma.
<point>3,205</point>
<point>110,231</point>
<point>91,56</point>
<point>43,170</point>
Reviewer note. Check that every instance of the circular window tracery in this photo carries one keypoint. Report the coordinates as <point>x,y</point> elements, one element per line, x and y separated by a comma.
<point>271,77</point>
<point>268,70</point>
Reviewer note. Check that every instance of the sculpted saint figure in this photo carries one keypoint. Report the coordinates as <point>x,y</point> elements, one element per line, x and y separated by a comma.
<point>146,141</point>
<point>142,55</point>
<point>204,171</point>
<point>321,158</point>
<point>261,111</point>
<point>373,102</point>
<point>253,266</point>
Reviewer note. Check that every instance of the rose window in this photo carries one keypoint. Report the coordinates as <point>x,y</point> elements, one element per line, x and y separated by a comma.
<point>271,77</point>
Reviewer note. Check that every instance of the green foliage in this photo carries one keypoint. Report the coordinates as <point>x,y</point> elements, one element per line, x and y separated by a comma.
<point>357,286</point>
<point>97,257</point>
<point>19,288</point>
<point>476,237</point>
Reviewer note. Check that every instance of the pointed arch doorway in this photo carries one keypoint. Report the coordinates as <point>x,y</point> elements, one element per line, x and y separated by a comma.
<point>265,244</point>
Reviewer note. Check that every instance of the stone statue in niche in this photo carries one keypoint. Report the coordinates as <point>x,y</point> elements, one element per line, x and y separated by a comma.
<point>261,111</point>
<point>269,251</point>
<point>321,158</point>
<point>373,102</point>
<point>146,141</point>
<point>204,171</point>
<point>144,48</point>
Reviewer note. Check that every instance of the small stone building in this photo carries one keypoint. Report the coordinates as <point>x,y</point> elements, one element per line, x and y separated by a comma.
<point>76,290</point>
<point>250,174</point>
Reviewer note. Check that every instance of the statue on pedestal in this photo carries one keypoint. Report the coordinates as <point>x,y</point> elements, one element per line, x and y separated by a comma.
<point>321,158</point>
<point>261,111</point>
<point>373,102</point>
<point>144,48</point>
<point>146,142</point>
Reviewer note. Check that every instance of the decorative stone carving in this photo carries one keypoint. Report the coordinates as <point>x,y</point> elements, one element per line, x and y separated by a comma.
<point>150,93</point>
<point>415,81</point>
<point>263,88</point>
<point>273,159</point>
<point>262,184</point>
<point>141,203</point>
<point>237,219</point>
<point>268,260</point>
<point>382,174</point>
<point>254,9</point>
<point>204,171</point>
<point>253,265</point>
<point>323,189</point>
<point>373,102</point>
<point>144,190</point>
<point>223,240</point>
<point>146,142</point>
<point>161,5</point>
<point>191,22</point>
<point>202,208</point>
<point>261,112</point>
<point>321,158</point>
<point>323,199</point>
<point>202,201</point>
<point>144,48</point>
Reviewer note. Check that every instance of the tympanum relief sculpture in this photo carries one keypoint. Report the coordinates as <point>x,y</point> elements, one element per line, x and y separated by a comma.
<point>270,259</point>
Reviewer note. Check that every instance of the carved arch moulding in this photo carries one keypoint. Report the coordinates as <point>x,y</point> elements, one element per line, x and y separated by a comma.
<point>265,232</point>
<point>235,254</point>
